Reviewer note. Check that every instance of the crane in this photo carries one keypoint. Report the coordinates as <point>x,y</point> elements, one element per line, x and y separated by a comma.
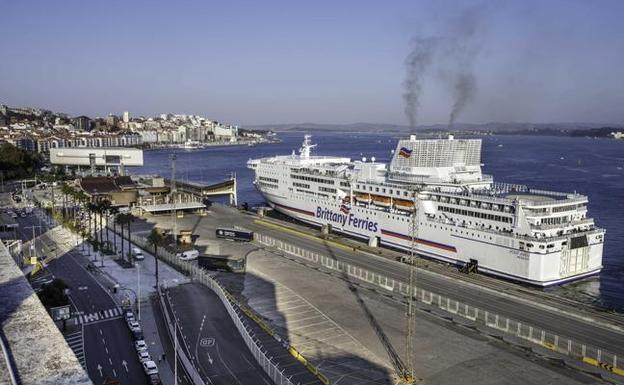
<point>408,376</point>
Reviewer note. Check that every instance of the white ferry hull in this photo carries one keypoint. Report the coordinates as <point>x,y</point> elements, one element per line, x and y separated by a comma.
<point>438,241</point>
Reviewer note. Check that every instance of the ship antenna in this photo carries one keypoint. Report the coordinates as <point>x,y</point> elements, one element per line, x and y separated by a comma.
<point>306,146</point>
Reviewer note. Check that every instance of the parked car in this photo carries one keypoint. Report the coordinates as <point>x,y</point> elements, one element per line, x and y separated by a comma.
<point>150,367</point>
<point>137,254</point>
<point>140,345</point>
<point>137,334</point>
<point>153,379</point>
<point>188,255</point>
<point>134,325</point>
<point>129,315</point>
<point>143,355</point>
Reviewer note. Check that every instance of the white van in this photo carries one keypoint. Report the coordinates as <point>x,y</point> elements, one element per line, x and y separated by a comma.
<point>137,254</point>
<point>188,255</point>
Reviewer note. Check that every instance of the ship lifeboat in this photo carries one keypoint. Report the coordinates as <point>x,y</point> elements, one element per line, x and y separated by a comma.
<point>365,198</point>
<point>381,200</point>
<point>402,204</point>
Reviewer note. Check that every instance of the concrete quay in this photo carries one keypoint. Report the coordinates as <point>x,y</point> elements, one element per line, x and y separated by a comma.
<point>346,343</point>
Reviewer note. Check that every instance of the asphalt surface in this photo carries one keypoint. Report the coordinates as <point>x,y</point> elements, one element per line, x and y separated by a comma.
<point>553,321</point>
<point>210,337</point>
<point>98,334</point>
<point>108,344</point>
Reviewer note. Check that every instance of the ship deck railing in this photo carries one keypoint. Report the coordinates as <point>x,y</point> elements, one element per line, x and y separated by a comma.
<point>509,233</point>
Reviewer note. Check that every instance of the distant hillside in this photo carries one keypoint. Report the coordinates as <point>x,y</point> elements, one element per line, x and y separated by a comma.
<point>558,129</point>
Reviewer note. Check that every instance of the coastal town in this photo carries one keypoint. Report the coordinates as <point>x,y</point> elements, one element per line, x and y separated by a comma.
<point>39,130</point>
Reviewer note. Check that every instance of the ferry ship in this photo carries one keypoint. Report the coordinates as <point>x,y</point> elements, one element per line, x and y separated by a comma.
<point>433,197</point>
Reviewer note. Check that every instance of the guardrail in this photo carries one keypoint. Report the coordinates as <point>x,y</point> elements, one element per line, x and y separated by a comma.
<point>270,368</point>
<point>586,353</point>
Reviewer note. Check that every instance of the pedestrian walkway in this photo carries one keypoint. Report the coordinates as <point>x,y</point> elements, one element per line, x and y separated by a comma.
<point>76,343</point>
<point>102,315</point>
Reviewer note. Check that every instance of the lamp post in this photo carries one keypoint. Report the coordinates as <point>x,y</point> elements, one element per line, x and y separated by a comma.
<point>138,291</point>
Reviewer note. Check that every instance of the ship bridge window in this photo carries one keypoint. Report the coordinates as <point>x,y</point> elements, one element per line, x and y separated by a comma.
<point>376,189</point>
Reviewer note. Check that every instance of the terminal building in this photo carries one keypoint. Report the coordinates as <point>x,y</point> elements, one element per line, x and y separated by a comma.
<point>91,160</point>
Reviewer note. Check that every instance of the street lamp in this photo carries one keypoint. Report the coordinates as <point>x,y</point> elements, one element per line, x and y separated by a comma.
<point>138,290</point>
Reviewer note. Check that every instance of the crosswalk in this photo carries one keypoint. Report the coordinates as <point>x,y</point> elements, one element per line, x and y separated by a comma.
<point>96,316</point>
<point>76,343</point>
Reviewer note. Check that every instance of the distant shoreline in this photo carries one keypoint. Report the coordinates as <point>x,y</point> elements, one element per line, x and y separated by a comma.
<point>212,144</point>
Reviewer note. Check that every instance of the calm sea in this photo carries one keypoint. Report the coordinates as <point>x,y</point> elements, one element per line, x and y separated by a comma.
<point>594,167</point>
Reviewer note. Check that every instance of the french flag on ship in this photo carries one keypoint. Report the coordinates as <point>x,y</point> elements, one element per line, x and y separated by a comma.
<point>404,152</point>
<point>345,208</point>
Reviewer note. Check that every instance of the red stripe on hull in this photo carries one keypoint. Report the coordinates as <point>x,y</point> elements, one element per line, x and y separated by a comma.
<point>420,241</point>
<point>310,213</point>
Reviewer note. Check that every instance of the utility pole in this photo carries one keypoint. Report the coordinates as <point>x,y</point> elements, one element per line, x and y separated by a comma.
<point>138,291</point>
<point>34,240</point>
<point>174,217</point>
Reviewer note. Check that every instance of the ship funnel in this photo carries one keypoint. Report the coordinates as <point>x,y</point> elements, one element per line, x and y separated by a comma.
<point>412,138</point>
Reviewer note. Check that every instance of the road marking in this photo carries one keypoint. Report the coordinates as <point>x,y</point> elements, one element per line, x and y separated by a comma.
<point>105,348</point>
<point>103,341</point>
<point>110,361</point>
<point>99,368</point>
<point>100,331</point>
<point>125,365</point>
<point>114,373</point>
<point>76,343</point>
<point>101,315</point>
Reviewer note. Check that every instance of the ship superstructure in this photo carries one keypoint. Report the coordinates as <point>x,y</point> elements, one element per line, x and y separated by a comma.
<point>463,217</point>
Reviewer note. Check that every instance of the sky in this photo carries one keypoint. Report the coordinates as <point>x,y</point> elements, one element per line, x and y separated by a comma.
<point>269,62</point>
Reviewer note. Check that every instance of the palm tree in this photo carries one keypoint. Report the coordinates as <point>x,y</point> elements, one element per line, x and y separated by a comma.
<point>121,220</point>
<point>125,219</point>
<point>104,207</point>
<point>113,211</point>
<point>156,239</point>
<point>91,209</point>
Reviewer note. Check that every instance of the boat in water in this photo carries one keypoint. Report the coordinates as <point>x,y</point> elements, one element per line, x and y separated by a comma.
<point>192,145</point>
<point>434,198</point>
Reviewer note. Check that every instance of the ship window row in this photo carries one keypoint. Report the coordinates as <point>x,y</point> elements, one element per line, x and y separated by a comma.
<point>302,185</point>
<point>312,179</point>
<point>268,185</point>
<point>344,184</point>
<point>383,190</point>
<point>476,214</point>
<point>266,179</point>
<point>327,189</point>
<point>567,208</point>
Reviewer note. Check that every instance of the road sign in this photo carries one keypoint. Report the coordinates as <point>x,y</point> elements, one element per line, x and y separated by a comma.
<point>60,313</point>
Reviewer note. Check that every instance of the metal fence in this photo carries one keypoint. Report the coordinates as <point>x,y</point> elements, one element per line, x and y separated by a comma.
<point>261,355</point>
<point>589,354</point>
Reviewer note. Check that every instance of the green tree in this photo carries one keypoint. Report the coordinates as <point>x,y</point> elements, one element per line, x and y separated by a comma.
<point>53,294</point>
<point>18,163</point>
<point>156,239</point>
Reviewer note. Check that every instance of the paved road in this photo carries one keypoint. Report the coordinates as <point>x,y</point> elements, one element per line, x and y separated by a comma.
<point>107,340</point>
<point>209,335</point>
<point>556,322</point>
